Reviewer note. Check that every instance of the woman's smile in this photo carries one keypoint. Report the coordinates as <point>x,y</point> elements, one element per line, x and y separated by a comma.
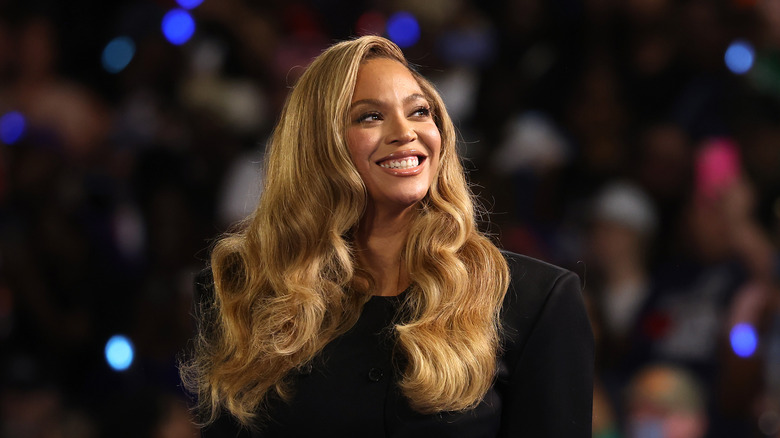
<point>403,163</point>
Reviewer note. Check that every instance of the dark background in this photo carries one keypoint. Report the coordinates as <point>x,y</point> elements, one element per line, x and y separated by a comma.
<point>119,183</point>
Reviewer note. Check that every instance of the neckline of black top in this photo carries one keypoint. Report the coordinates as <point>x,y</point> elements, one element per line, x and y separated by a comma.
<point>391,297</point>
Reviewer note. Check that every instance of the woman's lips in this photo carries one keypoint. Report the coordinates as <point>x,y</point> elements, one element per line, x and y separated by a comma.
<point>404,163</point>
<point>401,163</point>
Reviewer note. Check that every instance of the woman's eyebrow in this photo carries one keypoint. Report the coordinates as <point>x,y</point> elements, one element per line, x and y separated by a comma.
<point>415,96</point>
<point>365,102</point>
<point>376,102</point>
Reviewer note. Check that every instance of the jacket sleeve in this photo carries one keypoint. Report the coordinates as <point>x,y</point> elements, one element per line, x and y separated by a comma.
<point>550,391</point>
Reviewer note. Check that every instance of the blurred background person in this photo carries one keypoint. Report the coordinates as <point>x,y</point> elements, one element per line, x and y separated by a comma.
<point>665,401</point>
<point>621,227</point>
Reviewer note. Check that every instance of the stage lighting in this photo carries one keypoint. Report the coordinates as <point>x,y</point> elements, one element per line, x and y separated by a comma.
<point>189,4</point>
<point>403,29</point>
<point>118,53</point>
<point>178,26</point>
<point>12,126</point>
<point>744,340</point>
<point>119,352</point>
<point>739,57</point>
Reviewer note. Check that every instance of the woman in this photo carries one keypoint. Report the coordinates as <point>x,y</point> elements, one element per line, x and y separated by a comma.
<point>360,300</point>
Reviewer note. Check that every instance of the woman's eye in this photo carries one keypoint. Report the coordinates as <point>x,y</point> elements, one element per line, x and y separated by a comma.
<point>369,117</point>
<point>422,112</point>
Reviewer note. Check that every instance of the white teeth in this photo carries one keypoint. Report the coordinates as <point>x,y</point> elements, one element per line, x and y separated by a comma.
<point>405,163</point>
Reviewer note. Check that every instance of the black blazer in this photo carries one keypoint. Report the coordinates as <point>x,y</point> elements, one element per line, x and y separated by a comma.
<point>544,386</point>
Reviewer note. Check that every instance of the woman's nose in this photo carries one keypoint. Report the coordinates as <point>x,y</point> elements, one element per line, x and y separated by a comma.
<point>401,132</point>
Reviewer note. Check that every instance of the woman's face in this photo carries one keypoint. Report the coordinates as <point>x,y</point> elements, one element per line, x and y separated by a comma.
<point>391,135</point>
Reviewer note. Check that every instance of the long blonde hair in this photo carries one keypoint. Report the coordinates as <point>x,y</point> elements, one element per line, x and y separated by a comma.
<point>288,281</point>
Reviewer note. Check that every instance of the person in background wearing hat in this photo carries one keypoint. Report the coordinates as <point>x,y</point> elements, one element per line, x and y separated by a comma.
<point>622,224</point>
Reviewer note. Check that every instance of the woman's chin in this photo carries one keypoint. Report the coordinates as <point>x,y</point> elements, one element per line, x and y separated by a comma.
<point>399,202</point>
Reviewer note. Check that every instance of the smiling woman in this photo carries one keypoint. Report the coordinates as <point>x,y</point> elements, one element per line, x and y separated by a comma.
<point>360,299</point>
<point>393,139</point>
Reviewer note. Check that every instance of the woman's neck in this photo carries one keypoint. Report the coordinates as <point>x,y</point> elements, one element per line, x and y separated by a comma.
<point>380,239</point>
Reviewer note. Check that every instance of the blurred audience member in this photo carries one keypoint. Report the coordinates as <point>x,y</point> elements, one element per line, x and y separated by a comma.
<point>623,223</point>
<point>665,402</point>
<point>605,422</point>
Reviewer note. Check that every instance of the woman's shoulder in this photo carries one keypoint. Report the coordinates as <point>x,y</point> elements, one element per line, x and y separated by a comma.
<point>537,290</point>
<point>546,363</point>
<point>533,272</point>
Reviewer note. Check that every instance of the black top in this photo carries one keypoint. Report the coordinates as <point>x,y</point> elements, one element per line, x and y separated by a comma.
<point>544,386</point>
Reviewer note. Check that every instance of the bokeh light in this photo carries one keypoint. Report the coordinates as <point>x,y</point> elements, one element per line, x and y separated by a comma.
<point>189,4</point>
<point>12,126</point>
<point>403,29</point>
<point>740,57</point>
<point>118,53</point>
<point>178,26</point>
<point>744,340</point>
<point>119,352</point>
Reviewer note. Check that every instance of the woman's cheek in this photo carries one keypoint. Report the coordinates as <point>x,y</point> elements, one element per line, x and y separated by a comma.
<point>357,141</point>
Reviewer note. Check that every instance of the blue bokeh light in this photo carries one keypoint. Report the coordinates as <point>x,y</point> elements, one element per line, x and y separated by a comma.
<point>744,340</point>
<point>189,4</point>
<point>118,53</point>
<point>178,26</point>
<point>119,352</point>
<point>403,29</point>
<point>12,126</point>
<point>740,57</point>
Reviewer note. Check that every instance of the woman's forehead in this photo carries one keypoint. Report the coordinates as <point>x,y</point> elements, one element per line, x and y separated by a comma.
<point>378,76</point>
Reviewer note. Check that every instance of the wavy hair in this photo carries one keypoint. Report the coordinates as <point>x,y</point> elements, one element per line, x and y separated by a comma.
<point>288,281</point>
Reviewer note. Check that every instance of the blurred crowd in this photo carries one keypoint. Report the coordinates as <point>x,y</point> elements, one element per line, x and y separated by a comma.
<point>607,136</point>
